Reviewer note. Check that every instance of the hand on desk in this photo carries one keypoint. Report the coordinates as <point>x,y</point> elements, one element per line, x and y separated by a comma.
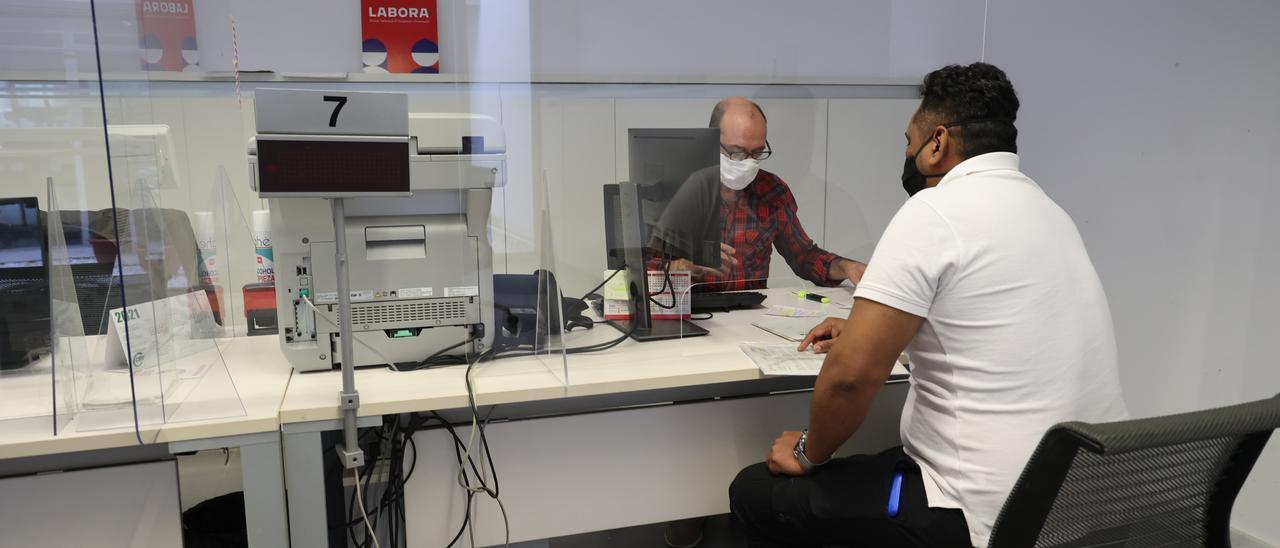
<point>846,269</point>
<point>823,335</point>
<point>782,458</point>
<point>726,260</point>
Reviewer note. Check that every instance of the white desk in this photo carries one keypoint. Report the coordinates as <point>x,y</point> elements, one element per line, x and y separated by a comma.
<point>528,452</point>
<point>630,366</point>
<point>698,446</point>
<point>260,375</point>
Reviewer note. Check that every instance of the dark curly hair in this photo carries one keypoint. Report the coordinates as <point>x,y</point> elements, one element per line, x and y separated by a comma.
<point>978,99</point>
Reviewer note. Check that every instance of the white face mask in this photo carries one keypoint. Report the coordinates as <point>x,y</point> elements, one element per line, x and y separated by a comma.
<point>737,174</point>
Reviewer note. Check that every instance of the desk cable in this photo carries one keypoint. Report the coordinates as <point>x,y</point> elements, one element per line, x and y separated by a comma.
<point>390,449</point>
<point>397,433</point>
<point>372,534</point>
<point>666,283</point>
<point>602,284</point>
<point>393,495</point>
<point>463,482</point>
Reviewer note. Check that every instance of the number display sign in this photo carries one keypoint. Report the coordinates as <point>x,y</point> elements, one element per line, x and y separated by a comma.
<point>328,112</point>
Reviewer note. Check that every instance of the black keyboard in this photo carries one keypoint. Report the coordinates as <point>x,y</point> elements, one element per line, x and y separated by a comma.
<point>730,300</point>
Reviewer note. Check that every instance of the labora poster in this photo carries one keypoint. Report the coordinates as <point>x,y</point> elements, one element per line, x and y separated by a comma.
<point>167,35</point>
<point>400,36</point>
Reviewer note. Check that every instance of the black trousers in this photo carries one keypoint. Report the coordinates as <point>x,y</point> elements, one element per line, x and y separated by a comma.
<point>843,503</point>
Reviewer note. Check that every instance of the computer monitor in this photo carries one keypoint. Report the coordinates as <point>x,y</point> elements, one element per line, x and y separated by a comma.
<point>676,173</point>
<point>24,283</point>
<point>668,209</point>
<point>613,250</point>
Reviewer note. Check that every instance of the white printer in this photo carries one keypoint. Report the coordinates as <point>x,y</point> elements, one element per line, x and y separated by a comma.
<point>420,261</point>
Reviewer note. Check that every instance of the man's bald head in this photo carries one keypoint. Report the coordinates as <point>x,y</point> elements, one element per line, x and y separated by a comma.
<point>736,105</point>
<point>742,124</point>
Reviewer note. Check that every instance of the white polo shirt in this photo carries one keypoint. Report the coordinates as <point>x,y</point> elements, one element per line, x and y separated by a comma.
<point>1017,334</point>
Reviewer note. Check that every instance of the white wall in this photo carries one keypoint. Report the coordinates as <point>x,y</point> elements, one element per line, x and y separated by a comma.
<point>756,40</point>
<point>516,39</point>
<point>1153,123</point>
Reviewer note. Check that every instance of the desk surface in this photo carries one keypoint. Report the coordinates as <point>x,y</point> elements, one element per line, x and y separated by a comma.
<point>630,366</point>
<point>257,369</point>
<point>271,394</point>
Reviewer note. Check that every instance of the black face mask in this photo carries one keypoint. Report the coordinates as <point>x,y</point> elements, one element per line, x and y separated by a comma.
<point>912,180</point>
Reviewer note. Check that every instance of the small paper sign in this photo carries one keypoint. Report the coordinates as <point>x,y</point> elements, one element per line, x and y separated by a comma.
<point>155,327</point>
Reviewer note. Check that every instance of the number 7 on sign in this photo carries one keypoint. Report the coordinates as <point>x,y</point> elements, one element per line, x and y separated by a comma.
<point>333,118</point>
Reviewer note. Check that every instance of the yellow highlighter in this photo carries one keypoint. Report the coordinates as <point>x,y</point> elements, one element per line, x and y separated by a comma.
<point>813,296</point>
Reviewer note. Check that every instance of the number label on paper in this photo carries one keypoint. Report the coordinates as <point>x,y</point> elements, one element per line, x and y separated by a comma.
<point>132,314</point>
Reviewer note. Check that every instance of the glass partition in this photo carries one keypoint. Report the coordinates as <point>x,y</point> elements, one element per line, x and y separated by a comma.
<point>179,147</point>
<point>26,371</point>
<point>129,315</point>
<point>823,145</point>
<point>52,154</point>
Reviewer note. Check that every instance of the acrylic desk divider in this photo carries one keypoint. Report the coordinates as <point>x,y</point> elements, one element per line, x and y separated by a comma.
<point>139,347</point>
<point>553,353</point>
<point>69,348</point>
<point>177,330</point>
<point>529,350</point>
<point>26,368</point>
<point>224,240</point>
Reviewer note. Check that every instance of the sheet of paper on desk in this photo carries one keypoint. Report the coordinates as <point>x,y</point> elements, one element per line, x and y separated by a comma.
<point>782,359</point>
<point>793,312</point>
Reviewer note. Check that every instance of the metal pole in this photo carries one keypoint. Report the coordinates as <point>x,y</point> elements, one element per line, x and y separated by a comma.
<point>350,452</point>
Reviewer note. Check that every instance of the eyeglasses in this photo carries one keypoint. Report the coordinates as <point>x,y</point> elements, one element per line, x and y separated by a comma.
<point>740,155</point>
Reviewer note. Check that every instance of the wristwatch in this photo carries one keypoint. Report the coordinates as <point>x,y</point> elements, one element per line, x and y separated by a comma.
<point>799,453</point>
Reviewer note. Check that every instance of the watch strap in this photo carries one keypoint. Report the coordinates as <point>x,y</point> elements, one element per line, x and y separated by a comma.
<point>803,459</point>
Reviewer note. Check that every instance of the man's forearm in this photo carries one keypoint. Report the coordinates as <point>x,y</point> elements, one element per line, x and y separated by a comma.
<point>838,407</point>
<point>855,370</point>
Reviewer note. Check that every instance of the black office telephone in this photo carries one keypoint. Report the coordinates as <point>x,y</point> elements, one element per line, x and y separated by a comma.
<point>517,300</point>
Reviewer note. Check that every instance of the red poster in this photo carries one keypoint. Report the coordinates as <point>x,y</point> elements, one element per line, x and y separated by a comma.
<point>167,35</point>
<point>400,36</point>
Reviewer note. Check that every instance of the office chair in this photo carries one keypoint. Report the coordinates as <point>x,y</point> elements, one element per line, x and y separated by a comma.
<point>1162,481</point>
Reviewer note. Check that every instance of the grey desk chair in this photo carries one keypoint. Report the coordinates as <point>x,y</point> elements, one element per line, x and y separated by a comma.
<point>1163,481</point>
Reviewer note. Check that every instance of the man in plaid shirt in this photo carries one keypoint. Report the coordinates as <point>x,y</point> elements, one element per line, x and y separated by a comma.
<point>758,212</point>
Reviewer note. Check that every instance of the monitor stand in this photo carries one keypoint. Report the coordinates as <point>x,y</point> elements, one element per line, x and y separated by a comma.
<point>660,329</point>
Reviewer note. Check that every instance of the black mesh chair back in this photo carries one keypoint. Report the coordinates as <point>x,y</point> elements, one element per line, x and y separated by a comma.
<point>1163,481</point>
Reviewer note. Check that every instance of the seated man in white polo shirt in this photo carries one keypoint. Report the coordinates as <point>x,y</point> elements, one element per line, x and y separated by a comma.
<point>986,283</point>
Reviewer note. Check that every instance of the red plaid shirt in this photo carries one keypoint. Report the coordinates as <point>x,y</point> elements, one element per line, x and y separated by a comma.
<point>763,217</point>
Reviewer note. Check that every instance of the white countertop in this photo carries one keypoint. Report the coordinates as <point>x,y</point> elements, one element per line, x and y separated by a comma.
<point>243,398</point>
<point>270,394</point>
<point>630,366</point>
